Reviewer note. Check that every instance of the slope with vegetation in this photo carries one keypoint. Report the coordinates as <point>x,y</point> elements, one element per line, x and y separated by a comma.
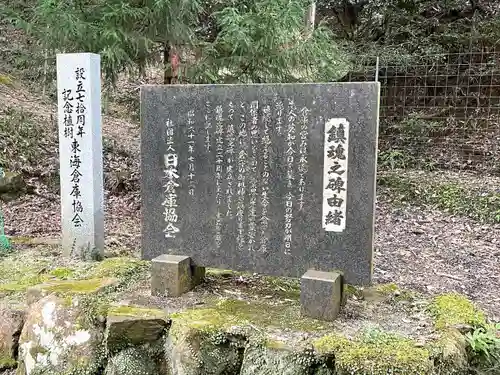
<point>438,63</point>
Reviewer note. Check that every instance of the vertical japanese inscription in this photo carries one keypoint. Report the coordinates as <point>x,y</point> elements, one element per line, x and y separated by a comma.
<point>290,158</point>
<point>253,155</point>
<point>230,152</point>
<point>279,114</point>
<point>302,162</point>
<point>80,154</point>
<point>264,195</point>
<point>241,182</point>
<point>219,162</point>
<point>191,146</point>
<point>74,124</point>
<point>208,126</point>
<point>171,176</point>
<point>335,174</point>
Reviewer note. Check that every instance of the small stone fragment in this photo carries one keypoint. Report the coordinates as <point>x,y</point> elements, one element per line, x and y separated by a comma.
<point>11,324</point>
<point>12,185</point>
<point>451,353</point>
<point>130,326</point>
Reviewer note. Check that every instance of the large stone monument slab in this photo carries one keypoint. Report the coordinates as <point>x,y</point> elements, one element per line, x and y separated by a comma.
<point>277,179</point>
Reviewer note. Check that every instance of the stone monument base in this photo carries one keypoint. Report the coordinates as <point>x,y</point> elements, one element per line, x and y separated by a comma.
<point>174,275</point>
<point>321,294</point>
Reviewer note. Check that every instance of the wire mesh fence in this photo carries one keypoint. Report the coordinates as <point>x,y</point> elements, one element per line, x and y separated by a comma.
<point>439,111</point>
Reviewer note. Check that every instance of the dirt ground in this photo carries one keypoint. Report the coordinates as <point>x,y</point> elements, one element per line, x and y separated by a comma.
<point>425,250</point>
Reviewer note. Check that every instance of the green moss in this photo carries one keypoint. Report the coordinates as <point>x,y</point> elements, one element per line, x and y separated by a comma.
<point>379,354</point>
<point>207,320</point>
<point>77,286</point>
<point>21,240</point>
<point>6,361</point>
<point>121,268</point>
<point>330,344</point>
<point>392,290</point>
<point>134,311</point>
<point>389,288</point>
<point>5,80</point>
<point>282,287</point>
<point>91,295</point>
<point>284,316</point>
<point>274,344</point>
<point>68,300</point>
<point>19,273</point>
<point>94,306</point>
<point>62,273</point>
<point>22,283</point>
<point>218,272</point>
<point>455,309</point>
<point>352,290</point>
<point>228,313</point>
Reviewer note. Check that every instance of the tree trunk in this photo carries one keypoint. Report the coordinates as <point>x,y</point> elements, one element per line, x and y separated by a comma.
<point>167,76</point>
<point>310,19</point>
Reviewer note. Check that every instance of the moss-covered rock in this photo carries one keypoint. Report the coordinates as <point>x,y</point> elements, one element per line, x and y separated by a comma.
<point>132,326</point>
<point>11,324</point>
<point>205,342</point>
<point>206,320</point>
<point>455,310</point>
<point>53,342</point>
<point>225,336</point>
<point>382,354</point>
<point>278,358</point>
<point>196,352</point>
<point>12,185</point>
<point>131,361</point>
<point>138,312</point>
<point>450,353</point>
<point>229,313</point>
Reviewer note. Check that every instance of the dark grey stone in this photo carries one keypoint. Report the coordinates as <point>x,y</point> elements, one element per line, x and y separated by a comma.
<point>123,331</point>
<point>211,229</point>
<point>321,295</point>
